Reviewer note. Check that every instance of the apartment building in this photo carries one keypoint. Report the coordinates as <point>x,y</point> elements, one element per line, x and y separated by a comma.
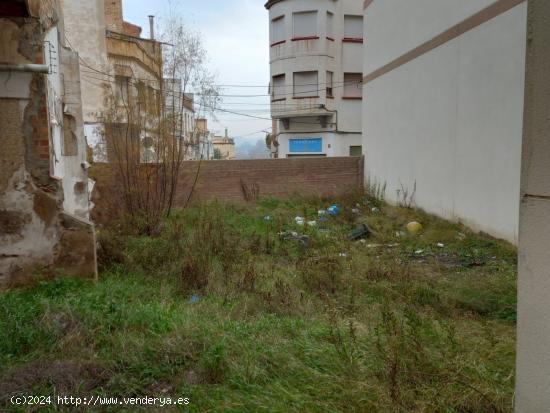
<point>188,122</point>
<point>44,204</point>
<point>119,68</point>
<point>201,147</point>
<point>316,49</point>
<point>443,107</point>
<point>224,147</point>
<point>179,114</point>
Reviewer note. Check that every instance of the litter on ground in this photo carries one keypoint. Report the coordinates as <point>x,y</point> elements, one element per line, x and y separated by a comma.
<point>360,232</point>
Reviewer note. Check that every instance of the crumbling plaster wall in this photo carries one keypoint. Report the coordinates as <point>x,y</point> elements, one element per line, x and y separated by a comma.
<point>29,197</point>
<point>35,231</point>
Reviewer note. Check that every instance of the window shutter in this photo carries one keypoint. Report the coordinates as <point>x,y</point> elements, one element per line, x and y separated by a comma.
<point>278,91</point>
<point>352,85</point>
<point>306,84</point>
<point>353,27</point>
<point>305,24</point>
<point>278,30</point>
<point>330,25</point>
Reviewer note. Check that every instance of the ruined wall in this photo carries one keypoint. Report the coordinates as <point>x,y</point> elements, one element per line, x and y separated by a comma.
<point>32,221</point>
<point>223,180</point>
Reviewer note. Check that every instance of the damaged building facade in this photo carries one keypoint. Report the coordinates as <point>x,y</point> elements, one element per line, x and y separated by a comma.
<point>120,71</point>
<point>44,201</point>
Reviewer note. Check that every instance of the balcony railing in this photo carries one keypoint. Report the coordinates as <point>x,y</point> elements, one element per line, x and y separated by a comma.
<point>302,47</point>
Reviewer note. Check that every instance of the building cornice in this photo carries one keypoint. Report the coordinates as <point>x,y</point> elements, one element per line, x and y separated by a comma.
<point>271,3</point>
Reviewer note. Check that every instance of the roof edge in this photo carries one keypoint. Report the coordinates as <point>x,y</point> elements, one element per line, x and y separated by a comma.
<point>271,3</point>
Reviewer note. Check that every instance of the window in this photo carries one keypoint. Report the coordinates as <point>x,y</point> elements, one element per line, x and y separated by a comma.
<point>153,101</point>
<point>305,24</point>
<point>306,84</point>
<point>278,88</point>
<point>330,76</point>
<point>278,34</point>
<point>356,150</point>
<point>353,86</point>
<point>142,94</point>
<point>330,26</point>
<point>121,92</point>
<point>353,28</point>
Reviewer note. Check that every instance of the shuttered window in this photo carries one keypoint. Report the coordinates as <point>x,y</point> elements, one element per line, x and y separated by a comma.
<point>278,30</point>
<point>330,25</point>
<point>305,24</point>
<point>278,88</point>
<point>353,88</point>
<point>353,27</point>
<point>306,84</point>
<point>330,91</point>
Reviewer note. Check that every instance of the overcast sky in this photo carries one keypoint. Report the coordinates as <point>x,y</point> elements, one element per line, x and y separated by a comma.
<point>236,36</point>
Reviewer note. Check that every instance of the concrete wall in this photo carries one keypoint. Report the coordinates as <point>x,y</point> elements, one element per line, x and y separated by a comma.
<point>223,180</point>
<point>533,356</point>
<point>448,119</point>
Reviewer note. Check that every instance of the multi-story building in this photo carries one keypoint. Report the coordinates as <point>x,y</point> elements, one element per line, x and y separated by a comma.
<point>188,119</point>
<point>119,69</point>
<point>201,147</point>
<point>224,147</point>
<point>316,72</point>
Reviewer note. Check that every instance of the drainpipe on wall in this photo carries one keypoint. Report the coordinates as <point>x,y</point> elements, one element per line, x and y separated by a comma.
<point>32,68</point>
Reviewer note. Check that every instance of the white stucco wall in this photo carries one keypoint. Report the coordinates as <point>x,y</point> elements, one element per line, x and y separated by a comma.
<point>334,144</point>
<point>451,119</point>
<point>85,31</point>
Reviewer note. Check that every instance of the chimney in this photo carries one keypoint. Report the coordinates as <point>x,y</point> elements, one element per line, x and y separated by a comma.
<point>226,134</point>
<point>152,27</point>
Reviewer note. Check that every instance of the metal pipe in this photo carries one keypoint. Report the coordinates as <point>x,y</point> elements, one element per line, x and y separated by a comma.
<point>25,68</point>
<point>152,27</point>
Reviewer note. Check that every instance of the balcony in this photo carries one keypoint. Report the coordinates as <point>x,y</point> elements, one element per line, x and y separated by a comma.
<point>302,108</point>
<point>146,52</point>
<point>311,46</point>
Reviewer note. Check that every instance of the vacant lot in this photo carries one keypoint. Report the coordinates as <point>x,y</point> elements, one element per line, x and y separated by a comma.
<point>221,308</point>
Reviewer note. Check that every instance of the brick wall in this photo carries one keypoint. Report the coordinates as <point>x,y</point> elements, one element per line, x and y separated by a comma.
<point>274,177</point>
<point>131,29</point>
<point>222,180</point>
<point>113,15</point>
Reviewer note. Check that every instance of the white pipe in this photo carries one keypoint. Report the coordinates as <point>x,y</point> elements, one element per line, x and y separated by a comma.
<point>25,68</point>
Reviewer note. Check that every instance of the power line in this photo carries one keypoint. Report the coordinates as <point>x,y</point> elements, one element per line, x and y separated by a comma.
<point>216,109</point>
<point>259,95</point>
<point>338,84</point>
<point>286,85</point>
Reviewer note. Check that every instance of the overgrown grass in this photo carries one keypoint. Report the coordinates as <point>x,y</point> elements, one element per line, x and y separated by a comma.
<point>219,308</point>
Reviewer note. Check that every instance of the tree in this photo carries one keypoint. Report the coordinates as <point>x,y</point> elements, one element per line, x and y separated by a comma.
<point>144,121</point>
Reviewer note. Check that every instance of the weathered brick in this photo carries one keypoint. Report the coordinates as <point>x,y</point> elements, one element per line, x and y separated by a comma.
<point>222,180</point>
